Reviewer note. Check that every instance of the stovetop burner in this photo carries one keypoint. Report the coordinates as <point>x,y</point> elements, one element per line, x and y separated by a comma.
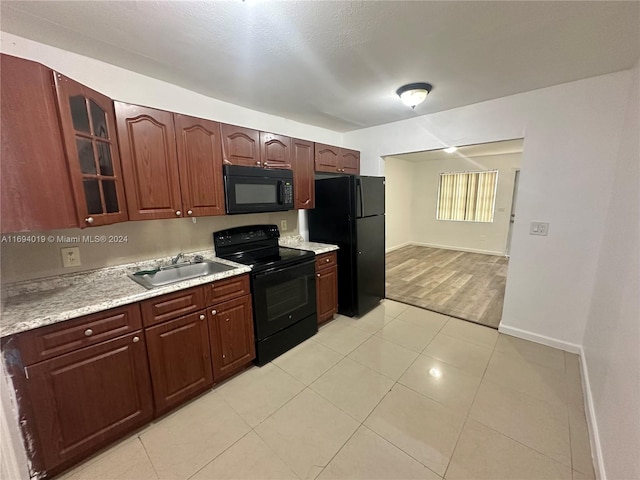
<point>257,247</point>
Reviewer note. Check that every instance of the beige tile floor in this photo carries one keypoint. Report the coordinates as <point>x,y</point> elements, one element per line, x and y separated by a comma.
<point>400,393</point>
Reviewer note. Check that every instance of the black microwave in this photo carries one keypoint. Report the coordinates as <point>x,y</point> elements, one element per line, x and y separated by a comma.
<point>252,189</point>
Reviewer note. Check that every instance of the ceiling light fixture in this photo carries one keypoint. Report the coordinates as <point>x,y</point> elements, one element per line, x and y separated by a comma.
<point>450,149</point>
<point>414,93</point>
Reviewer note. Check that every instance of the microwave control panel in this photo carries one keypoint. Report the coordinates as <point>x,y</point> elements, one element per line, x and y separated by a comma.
<point>288,192</point>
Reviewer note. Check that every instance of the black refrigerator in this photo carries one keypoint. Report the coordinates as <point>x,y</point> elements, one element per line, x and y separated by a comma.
<point>349,212</point>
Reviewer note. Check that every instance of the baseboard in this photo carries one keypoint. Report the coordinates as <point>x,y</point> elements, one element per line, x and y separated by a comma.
<point>544,340</point>
<point>594,436</point>
<point>590,413</point>
<point>391,249</point>
<point>460,249</point>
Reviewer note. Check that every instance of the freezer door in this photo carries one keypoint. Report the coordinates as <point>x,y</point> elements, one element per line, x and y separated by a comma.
<point>369,196</point>
<point>370,262</point>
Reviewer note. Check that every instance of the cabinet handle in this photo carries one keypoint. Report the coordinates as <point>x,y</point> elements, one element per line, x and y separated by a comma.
<point>88,332</point>
<point>213,312</point>
<point>257,163</point>
<point>202,317</point>
<point>227,320</point>
<point>136,339</point>
<point>189,212</point>
<point>224,356</point>
<point>317,275</point>
<point>178,213</point>
<point>89,220</point>
<point>328,260</point>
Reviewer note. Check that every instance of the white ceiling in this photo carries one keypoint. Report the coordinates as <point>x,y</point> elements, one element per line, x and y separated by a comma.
<point>466,151</point>
<point>338,64</point>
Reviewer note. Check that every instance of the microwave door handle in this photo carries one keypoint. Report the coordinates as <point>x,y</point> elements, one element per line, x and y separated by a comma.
<point>359,187</point>
<point>280,192</point>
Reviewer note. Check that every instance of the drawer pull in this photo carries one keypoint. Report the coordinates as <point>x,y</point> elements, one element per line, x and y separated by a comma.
<point>328,260</point>
<point>201,317</point>
<point>213,312</point>
<point>317,274</point>
<point>136,339</point>
<point>88,332</point>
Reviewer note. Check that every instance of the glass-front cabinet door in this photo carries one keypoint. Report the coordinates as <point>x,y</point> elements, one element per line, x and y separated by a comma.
<point>89,132</point>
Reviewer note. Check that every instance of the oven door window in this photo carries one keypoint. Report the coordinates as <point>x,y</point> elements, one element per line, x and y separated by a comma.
<point>283,297</point>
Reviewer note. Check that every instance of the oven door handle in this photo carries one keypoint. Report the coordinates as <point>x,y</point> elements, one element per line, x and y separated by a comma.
<point>278,269</point>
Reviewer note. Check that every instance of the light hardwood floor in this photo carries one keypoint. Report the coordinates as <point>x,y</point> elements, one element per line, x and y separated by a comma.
<point>466,285</point>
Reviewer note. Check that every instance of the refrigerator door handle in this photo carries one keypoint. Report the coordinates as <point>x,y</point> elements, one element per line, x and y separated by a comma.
<point>359,187</point>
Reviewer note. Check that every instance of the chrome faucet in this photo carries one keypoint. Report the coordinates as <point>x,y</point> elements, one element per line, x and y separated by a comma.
<point>177,258</point>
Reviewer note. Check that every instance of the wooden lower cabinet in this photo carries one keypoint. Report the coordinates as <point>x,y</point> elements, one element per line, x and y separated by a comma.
<point>326,286</point>
<point>179,360</point>
<point>82,401</point>
<point>232,339</point>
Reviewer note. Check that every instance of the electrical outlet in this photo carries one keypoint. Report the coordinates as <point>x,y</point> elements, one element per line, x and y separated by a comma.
<point>283,225</point>
<point>70,257</point>
<point>539,228</point>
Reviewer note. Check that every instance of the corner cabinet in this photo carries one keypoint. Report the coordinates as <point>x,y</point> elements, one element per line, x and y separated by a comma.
<point>89,134</point>
<point>149,162</point>
<point>326,286</point>
<point>35,189</point>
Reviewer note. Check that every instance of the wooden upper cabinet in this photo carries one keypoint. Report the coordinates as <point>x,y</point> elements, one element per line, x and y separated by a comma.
<point>199,146</point>
<point>332,159</point>
<point>36,192</point>
<point>149,163</point>
<point>350,161</point>
<point>303,173</point>
<point>240,146</point>
<point>275,150</point>
<point>326,158</point>
<point>89,134</point>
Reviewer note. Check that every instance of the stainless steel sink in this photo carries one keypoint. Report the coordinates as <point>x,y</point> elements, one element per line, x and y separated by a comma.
<point>177,273</point>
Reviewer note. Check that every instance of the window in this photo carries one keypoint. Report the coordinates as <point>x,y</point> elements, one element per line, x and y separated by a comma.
<point>467,196</point>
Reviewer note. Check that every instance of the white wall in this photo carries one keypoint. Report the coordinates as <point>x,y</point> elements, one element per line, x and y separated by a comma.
<point>398,202</point>
<point>478,237</point>
<point>127,86</point>
<point>145,240</point>
<point>571,133</point>
<point>612,334</point>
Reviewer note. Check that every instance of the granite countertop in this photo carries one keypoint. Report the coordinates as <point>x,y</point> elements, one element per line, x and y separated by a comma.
<point>298,242</point>
<point>36,303</point>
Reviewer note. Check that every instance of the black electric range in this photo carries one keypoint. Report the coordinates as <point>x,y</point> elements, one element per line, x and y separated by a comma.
<point>283,284</point>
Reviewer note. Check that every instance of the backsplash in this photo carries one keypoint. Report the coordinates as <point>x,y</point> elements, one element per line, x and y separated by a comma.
<point>124,243</point>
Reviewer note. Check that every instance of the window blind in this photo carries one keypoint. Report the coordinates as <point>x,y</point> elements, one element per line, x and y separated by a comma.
<point>467,196</point>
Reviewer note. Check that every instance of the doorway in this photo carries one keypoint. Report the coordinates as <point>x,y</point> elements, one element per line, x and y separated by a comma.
<point>449,228</point>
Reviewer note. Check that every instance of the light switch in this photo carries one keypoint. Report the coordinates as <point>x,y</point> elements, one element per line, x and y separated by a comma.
<point>539,228</point>
<point>283,225</point>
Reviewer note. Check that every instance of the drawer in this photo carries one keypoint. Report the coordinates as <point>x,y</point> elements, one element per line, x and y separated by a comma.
<point>226,289</point>
<point>172,305</point>
<point>326,260</point>
<point>53,340</point>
